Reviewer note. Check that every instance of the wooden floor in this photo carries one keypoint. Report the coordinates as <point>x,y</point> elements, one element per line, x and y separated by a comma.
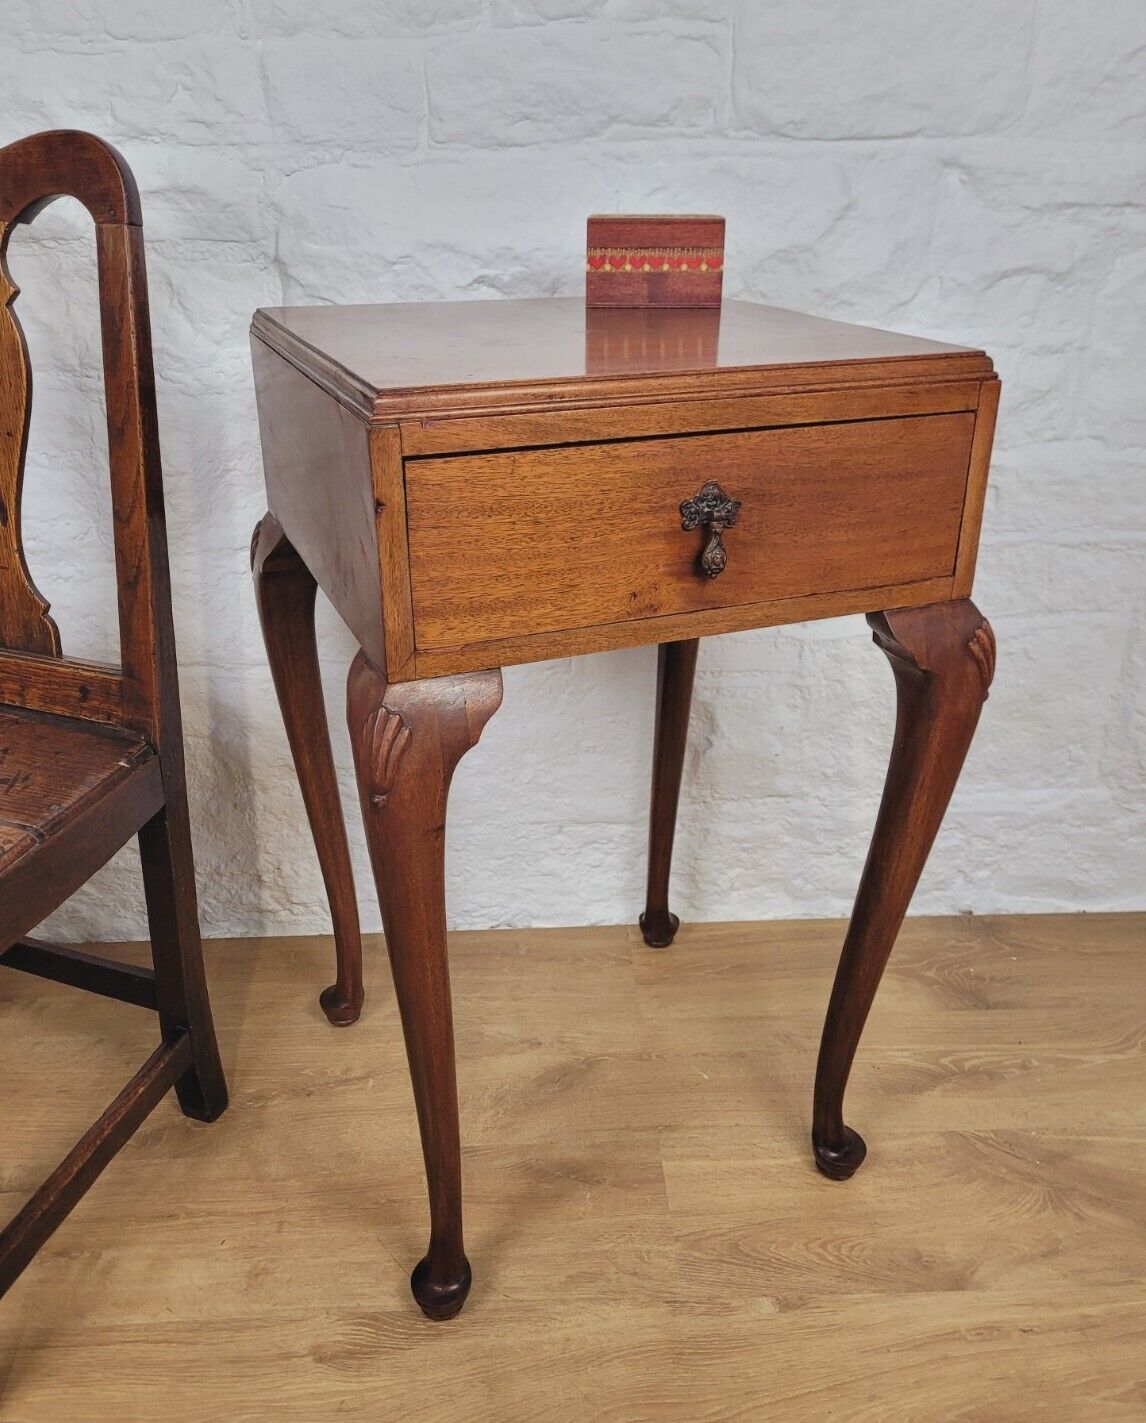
<point>648,1235</point>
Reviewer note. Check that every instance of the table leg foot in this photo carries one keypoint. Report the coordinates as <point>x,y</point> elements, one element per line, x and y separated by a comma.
<point>341,1008</point>
<point>440,1297</point>
<point>840,1159</point>
<point>658,928</point>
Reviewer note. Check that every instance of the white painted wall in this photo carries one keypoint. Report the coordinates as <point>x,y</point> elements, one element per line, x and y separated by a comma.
<point>975,173</point>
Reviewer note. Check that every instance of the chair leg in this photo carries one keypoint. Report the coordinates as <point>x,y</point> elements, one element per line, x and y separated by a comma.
<point>285,590</point>
<point>676,667</point>
<point>407,740</point>
<point>943,658</point>
<point>177,951</point>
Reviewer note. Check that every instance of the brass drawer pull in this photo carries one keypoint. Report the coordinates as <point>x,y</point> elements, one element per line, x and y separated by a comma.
<point>717,512</point>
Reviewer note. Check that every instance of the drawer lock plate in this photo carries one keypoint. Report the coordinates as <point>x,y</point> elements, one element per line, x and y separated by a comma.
<point>713,508</point>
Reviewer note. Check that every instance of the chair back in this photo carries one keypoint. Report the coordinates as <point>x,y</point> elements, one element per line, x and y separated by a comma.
<point>141,692</point>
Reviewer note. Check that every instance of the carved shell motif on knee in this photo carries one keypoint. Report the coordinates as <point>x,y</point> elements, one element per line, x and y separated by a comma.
<point>982,649</point>
<point>386,736</point>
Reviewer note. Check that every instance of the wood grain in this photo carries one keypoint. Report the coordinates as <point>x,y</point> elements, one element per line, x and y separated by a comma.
<point>70,688</point>
<point>65,1187</point>
<point>78,164</point>
<point>648,1235</point>
<point>534,541</point>
<point>359,406</point>
<point>578,421</point>
<point>51,770</point>
<point>976,488</point>
<point>393,550</point>
<point>92,972</point>
<point>639,632</point>
<point>316,460</point>
<point>431,358</point>
<point>24,620</point>
<point>39,876</point>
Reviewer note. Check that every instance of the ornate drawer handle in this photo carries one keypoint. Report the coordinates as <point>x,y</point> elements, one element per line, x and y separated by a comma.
<point>717,512</point>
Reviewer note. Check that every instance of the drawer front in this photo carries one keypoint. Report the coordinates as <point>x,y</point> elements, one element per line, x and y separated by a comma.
<point>520,542</point>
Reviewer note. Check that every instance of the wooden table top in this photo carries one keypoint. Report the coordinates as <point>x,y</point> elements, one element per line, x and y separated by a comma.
<point>406,359</point>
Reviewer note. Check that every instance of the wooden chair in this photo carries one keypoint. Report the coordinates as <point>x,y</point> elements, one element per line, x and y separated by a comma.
<point>91,754</point>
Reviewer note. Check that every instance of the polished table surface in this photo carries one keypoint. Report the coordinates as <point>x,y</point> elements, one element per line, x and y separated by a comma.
<point>404,353</point>
<point>477,484</point>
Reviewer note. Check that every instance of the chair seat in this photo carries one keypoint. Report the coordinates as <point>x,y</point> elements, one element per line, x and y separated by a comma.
<point>51,769</point>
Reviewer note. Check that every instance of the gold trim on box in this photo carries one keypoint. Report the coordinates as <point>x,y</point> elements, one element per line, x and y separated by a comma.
<point>655,259</point>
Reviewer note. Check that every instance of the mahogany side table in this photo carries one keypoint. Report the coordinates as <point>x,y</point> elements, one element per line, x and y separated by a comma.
<point>477,484</point>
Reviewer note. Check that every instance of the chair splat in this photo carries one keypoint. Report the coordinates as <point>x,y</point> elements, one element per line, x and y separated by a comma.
<point>24,622</point>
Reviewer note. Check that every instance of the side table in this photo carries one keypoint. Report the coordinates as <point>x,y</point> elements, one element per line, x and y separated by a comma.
<point>478,484</point>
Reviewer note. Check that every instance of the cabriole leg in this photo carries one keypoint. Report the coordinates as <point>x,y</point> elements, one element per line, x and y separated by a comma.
<point>285,591</point>
<point>407,740</point>
<point>943,658</point>
<point>676,667</point>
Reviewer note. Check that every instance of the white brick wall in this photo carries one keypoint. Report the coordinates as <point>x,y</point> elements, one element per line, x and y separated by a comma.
<point>974,173</point>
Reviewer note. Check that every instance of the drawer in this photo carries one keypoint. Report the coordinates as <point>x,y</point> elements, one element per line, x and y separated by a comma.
<point>519,542</point>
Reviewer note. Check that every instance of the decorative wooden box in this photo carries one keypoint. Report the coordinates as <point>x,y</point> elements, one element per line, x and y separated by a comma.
<point>666,260</point>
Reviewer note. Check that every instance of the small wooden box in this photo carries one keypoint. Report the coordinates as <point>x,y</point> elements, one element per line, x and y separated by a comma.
<point>667,260</point>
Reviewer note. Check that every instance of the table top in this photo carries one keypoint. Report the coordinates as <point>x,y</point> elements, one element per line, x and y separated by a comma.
<point>409,358</point>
